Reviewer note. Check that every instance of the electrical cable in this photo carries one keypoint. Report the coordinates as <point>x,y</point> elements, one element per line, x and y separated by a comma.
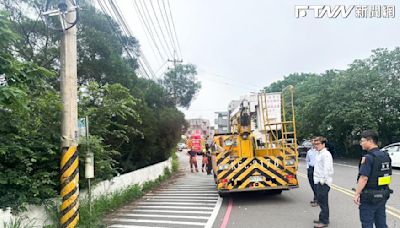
<point>161,30</point>
<point>144,72</point>
<point>148,19</point>
<point>146,29</point>
<point>165,25</point>
<point>75,22</point>
<point>173,25</point>
<point>128,33</point>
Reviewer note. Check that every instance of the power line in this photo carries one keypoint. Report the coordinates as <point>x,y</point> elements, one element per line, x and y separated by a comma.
<point>166,27</point>
<point>162,32</point>
<point>148,21</point>
<point>231,82</point>
<point>146,62</point>
<point>160,67</point>
<point>121,18</point>
<point>173,25</point>
<point>125,30</point>
<point>113,28</point>
<point>142,56</point>
<point>141,69</point>
<point>159,42</point>
<point>155,30</point>
<point>146,28</point>
<point>130,33</point>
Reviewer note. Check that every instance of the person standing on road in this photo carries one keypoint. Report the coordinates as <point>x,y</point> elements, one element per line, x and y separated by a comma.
<point>310,159</point>
<point>204,162</point>
<point>323,172</point>
<point>372,191</point>
<point>192,155</point>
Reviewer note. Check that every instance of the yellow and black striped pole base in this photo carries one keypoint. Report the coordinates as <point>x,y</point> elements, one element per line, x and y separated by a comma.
<point>69,187</point>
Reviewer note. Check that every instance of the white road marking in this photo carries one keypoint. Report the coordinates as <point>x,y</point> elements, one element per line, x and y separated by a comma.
<point>171,211</point>
<point>191,189</point>
<point>187,191</point>
<point>131,226</point>
<point>184,194</point>
<point>163,216</point>
<point>214,214</point>
<point>176,207</point>
<point>193,186</point>
<point>182,200</point>
<point>181,197</point>
<point>175,203</point>
<point>192,200</point>
<point>159,221</point>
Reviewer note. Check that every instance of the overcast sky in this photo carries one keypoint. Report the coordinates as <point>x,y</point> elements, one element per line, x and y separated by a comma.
<point>241,46</point>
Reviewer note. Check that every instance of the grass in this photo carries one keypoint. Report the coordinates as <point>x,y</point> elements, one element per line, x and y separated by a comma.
<point>19,223</point>
<point>175,164</point>
<point>108,203</point>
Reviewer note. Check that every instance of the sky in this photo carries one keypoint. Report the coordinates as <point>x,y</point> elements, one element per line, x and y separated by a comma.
<point>241,46</point>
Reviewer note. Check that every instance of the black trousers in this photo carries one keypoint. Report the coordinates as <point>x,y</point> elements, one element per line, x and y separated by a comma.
<point>322,197</point>
<point>310,174</point>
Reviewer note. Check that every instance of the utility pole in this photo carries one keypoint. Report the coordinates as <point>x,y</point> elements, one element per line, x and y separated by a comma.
<point>175,61</point>
<point>69,166</point>
<point>69,159</point>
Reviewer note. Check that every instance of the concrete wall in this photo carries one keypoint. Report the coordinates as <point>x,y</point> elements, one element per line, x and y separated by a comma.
<point>36,216</point>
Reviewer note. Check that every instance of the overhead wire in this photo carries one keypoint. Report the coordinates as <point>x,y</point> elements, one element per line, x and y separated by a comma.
<point>147,15</point>
<point>161,29</point>
<point>228,81</point>
<point>166,27</point>
<point>147,30</point>
<point>141,69</point>
<point>173,26</point>
<point>162,40</point>
<point>146,22</point>
<point>151,45</point>
<point>128,33</point>
<point>161,66</point>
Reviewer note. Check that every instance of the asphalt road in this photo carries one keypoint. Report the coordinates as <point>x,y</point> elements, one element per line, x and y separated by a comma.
<point>292,209</point>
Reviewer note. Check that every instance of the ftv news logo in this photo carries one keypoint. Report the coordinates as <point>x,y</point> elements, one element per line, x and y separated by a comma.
<point>359,11</point>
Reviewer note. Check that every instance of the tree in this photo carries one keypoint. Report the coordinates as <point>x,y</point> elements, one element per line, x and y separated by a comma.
<point>292,79</point>
<point>102,49</point>
<point>340,104</point>
<point>29,126</point>
<point>181,84</point>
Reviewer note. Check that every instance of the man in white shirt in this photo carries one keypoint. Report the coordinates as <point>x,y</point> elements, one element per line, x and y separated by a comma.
<point>310,161</point>
<point>323,172</point>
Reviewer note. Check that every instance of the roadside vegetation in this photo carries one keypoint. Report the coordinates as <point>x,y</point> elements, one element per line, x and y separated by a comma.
<point>134,121</point>
<point>339,104</point>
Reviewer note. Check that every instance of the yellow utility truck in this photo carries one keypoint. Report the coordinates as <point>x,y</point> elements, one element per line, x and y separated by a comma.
<point>260,152</point>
